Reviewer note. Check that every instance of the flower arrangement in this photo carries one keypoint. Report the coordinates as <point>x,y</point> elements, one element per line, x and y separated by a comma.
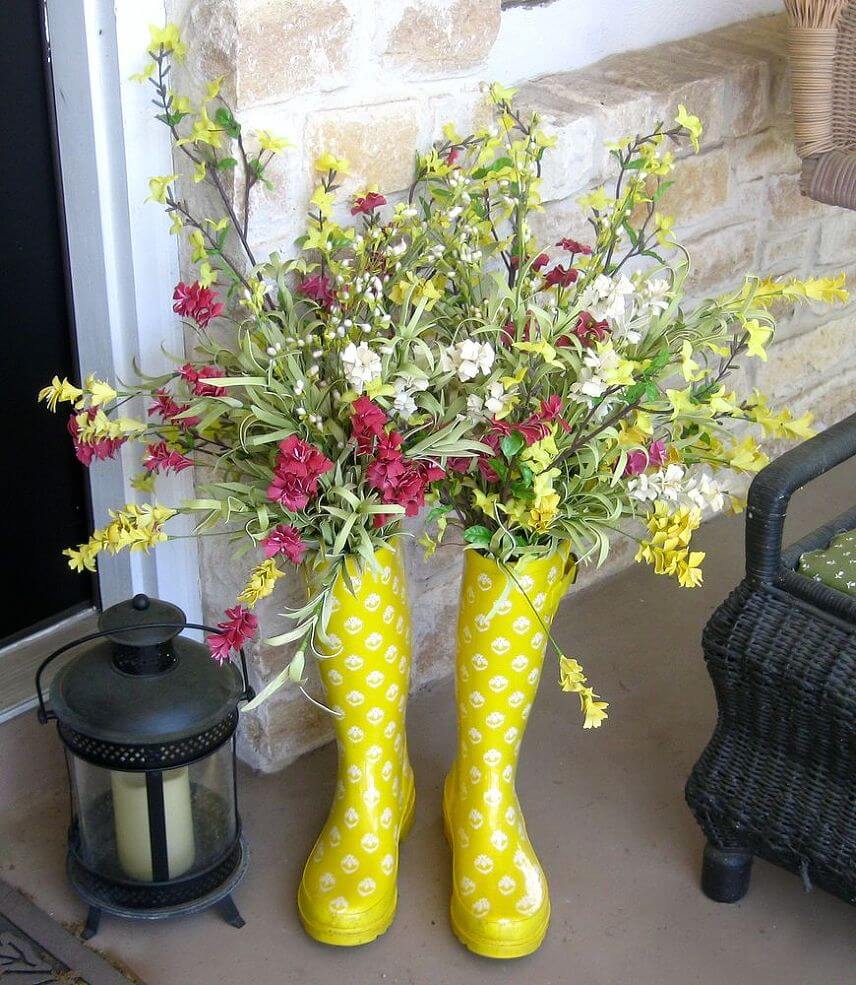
<point>432,352</point>
<point>317,425</point>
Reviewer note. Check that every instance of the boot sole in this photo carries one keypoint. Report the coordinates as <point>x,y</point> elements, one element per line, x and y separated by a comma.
<point>487,947</point>
<point>366,933</point>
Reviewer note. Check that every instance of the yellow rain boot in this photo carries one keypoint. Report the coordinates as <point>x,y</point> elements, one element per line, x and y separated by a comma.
<point>500,904</point>
<point>348,893</point>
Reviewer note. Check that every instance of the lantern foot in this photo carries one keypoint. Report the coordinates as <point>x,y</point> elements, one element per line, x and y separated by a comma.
<point>93,919</point>
<point>230,913</point>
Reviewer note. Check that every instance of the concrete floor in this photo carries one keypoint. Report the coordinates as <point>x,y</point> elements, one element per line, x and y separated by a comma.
<point>605,810</point>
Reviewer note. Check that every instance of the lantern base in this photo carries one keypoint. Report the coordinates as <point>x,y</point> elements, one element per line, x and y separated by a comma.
<point>97,893</point>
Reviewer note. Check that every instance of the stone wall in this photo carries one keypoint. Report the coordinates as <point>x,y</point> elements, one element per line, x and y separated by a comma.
<point>372,80</point>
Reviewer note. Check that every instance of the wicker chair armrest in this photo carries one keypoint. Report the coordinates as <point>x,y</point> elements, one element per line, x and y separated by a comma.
<point>772,488</point>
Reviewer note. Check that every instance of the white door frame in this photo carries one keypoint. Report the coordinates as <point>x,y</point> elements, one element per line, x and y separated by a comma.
<point>123,262</point>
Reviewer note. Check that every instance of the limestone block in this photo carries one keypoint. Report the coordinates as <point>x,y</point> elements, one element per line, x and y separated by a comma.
<point>721,258</point>
<point>797,364</point>
<point>786,204</point>
<point>769,152</point>
<point>378,141</point>
<point>571,164</point>
<point>441,37</point>
<point>701,186</point>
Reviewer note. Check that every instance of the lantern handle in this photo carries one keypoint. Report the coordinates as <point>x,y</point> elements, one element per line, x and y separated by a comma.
<point>45,714</point>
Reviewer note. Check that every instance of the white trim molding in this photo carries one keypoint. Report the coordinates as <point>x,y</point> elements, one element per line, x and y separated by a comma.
<point>123,263</point>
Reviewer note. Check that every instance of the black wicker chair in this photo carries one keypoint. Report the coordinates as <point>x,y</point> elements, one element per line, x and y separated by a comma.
<point>778,778</point>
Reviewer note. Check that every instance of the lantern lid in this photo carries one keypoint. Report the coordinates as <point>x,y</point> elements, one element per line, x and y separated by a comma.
<point>99,698</point>
<point>142,621</point>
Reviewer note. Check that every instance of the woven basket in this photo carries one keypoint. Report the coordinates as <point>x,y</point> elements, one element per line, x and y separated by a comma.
<point>823,99</point>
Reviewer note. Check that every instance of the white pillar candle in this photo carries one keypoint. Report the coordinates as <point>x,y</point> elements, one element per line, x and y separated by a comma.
<point>131,816</point>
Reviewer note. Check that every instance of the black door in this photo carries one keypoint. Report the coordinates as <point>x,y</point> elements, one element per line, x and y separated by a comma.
<point>44,503</point>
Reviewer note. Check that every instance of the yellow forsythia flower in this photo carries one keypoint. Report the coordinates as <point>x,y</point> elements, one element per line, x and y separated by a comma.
<point>690,123</point>
<point>262,580</point>
<point>158,187</point>
<point>758,336</point>
<point>267,141</point>
<point>99,391</point>
<point>323,201</point>
<point>136,527</point>
<point>167,38</point>
<point>328,162</point>
<point>59,391</point>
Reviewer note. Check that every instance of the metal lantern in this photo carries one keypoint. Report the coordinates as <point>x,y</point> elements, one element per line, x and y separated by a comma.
<point>148,722</point>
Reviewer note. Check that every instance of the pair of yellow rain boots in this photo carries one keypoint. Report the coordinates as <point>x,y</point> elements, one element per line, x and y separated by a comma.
<point>500,904</point>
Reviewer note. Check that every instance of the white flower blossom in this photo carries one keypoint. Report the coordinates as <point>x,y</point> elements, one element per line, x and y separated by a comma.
<point>492,404</point>
<point>405,388</point>
<point>668,484</point>
<point>607,298</point>
<point>468,359</point>
<point>705,492</point>
<point>361,365</point>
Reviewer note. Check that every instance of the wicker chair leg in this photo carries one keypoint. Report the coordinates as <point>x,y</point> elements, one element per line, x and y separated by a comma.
<point>725,873</point>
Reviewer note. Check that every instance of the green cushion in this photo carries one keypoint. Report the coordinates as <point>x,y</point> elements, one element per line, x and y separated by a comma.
<point>834,565</point>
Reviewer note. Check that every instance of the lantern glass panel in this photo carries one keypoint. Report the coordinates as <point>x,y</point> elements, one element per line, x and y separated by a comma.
<point>113,814</point>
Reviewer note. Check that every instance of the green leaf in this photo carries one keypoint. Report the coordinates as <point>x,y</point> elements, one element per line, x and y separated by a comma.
<point>512,444</point>
<point>226,164</point>
<point>478,535</point>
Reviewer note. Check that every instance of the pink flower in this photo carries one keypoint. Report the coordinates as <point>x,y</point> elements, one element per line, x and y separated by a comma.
<point>657,453</point>
<point>284,539</point>
<point>560,276</point>
<point>366,204</point>
<point>452,156</point>
<point>572,246</point>
<point>368,424</point>
<point>162,459</point>
<point>400,479</point>
<point>87,451</point>
<point>168,409</point>
<point>637,462</point>
<point>234,633</point>
<point>296,472</point>
<point>318,288</point>
<point>194,375</point>
<point>196,302</point>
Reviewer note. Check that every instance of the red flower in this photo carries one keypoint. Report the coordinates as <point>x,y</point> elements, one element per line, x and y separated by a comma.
<point>560,276</point>
<point>296,473</point>
<point>400,479</point>
<point>284,539</point>
<point>572,246</point>
<point>162,459</point>
<point>193,376</point>
<point>506,333</point>
<point>87,451</point>
<point>318,288</point>
<point>234,633</point>
<point>196,302</point>
<point>551,410</point>
<point>368,424</point>
<point>366,204</point>
<point>587,330</point>
<point>540,261</point>
<point>452,156</point>
<point>169,410</point>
